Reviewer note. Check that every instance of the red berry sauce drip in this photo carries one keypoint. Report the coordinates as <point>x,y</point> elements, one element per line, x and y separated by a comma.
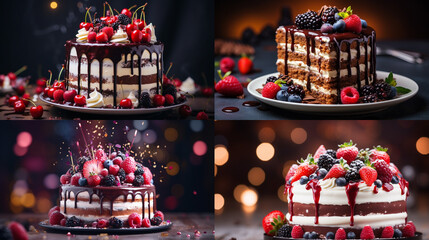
<point>387,187</point>
<point>402,184</point>
<point>288,189</point>
<point>375,191</point>
<point>352,190</point>
<point>314,185</point>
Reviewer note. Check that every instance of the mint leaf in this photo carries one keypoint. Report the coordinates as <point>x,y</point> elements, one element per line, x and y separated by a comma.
<point>402,90</point>
<point>349,8</point>
<point>343,15</point>
<point>217,64</point>
<point>390,80</point>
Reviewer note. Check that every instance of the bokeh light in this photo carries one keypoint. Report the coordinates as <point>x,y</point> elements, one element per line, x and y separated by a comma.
<point>149,136</point>
<point>53,5</point>
<point>238,191</point>
<point>219,201</point>
<point>256,176</point>
<point>280,193</point>
<point>51,181</point>
<point>24,139</point>
<point>265,151</point>
<point>266,134</point>
<point>28,200</point>
<point>200,148</point>
<point>422,145</point>
<point>43,204</point>
<point>196,125</point>
<point>171,134</point>
<point>249,197</point>
<point>140,124</point>
<point>130,136</point>
<point>215,170</point>
<point>171,202</point>
<point>298,135</point>
<point>221,155</point>
<point>172,168</point>
<point>19,151</point>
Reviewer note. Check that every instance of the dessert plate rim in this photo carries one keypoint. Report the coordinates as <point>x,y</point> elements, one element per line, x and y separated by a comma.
<point>418,236</point>
<point>111,110</point>
<point>94,231</point>
<point>336,108</point>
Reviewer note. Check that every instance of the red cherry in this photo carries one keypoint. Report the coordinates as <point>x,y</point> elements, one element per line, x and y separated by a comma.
<point>19,106</point>
<point>208,92</point>
<point>46,91</point>
<point>58,95</point>
<point>136,36</point>
<point>130,28</point>
<point>169,99</point>
<point>20,90</point>
<point>39,90</point>
<point>12,100</point>
<point>59,85</point>
<point>92,37</point>
<point>104,18</point>
<point>81,25</point>
<point>185,111</point>
<point>36,111</point>
<point>69,95</point>
<point>146,37</point>
<point>108,31</point>
<point>26,96</point>
<point>102,37</point>
<point>51,92</point>
<point>80,100</point>
<point>112,20</point>
<point>202,116</point>
<point>126,103</point>
<point>141,25</point>
<point>12,76</point>
<point>148,31</point>
<point>126,12</point>
<point>87,26</point>
<point>158,100</point>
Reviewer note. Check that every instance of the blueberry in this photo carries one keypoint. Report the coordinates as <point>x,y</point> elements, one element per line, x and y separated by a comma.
<point>284,87</point>
<point>364,24</point>
<point>341,182</point>
<point>397,233</point>
<point>395,180</point>
<point>330,235</point>
<point>322,173</point>
<point>337,17</point>
<point>339,26</point>
<point>378,183</point>
<point>393,92</point>
<point>351,235</point>
<point>83,181</point>
<point>314,235</point>
<point>327,28</point>
<point>312,176</point>
<point>282,95</point>
<point>294,98</point>
<point>303,180</point>
<point>107,163</point>
<point>306,235</point>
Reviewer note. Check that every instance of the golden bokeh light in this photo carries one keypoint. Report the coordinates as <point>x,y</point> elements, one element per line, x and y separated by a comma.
<point>238,191</point>
<point>43,204</point>
<point>298,135</point>
<point>422,145</point>
<point>248,209</point>
<point>221,155</point>
<point>256,176</point>
<point>215,170</point>
<point>219,201</point>
<point>249,197</point>
<point>286,167</point>
<point>53,5</point>
<point>266,134</point>
<point>265,151</point>
<point>171,134</point>
<point>28,200</point>
<point>281,193</point>
<point>172,168</point>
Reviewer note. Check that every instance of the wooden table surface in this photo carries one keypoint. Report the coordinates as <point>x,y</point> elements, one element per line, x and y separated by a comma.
<point>184,223</point>
<point>197,104</point>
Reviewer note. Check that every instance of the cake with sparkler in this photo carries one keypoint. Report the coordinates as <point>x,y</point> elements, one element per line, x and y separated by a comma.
<point>344,193</point>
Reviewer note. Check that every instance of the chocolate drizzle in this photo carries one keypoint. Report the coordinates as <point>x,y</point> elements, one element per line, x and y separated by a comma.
<point>114,52</point>
<point>110,194</point>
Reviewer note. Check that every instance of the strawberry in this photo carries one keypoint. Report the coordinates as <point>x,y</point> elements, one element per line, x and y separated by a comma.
<point>229,86</point>
<point>383,171</point>
<point>147,175</point>
<point>408,230</point>
<point>129,165</point>
<point>338,170</point>
<point>273,222</point>
<point>227,64</point>
<point>367,233</point>
<point>100,155</point>
<point>94,180</point>
<point>353,23</point>
<point>245,65</point>
<point>93,166</point>
<point>368,175</point>
<point>305,169</point>
<point>291,172</point>
<point>297,232</point>
<point>379,153</point>
<point>340,234</point>
<point>348,151</point>
<point>321,150</point>
<point>75,179</point>
<point>387,232</point>
<point>270,90</point>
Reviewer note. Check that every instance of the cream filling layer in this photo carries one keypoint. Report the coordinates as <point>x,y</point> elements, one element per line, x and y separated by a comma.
<point>332,55</point>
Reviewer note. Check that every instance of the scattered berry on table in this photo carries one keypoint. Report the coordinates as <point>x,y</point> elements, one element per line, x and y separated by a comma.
<point>227,64</point>
<point>245,65</point>
<point>229,87</point>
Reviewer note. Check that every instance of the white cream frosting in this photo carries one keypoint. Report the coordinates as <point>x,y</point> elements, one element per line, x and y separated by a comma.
<point>82,35</point>
<point>6,83</point>
<point>120,37</point>
<point>327,183</point>
<point>133,99</point>
<point>95,100</point>
<point>188,86</point>
<point>152,34</point>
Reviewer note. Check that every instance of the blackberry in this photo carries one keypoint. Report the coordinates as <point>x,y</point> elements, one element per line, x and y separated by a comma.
<point>155,221</point>
<point>169,89</point>
<point>138,181</point>
<point>115,25</point>
<point>382,89</point>
<point>352,175</point>
<point>369,98</point>
<point>81,161</point>
<point>271,79</point>
<point>332,153</point>
<point>139,170</point>
<point>308,20</point>
<point>123,19</point>
<point>297,90</point>
<point>73,222</point>
<point>357,164</point>
<point>109,180</point>
<point>5,233</point>
<point>145,100</point>
<point>367,90</point>
<point>115,222</point>
<point>326,161</point>
<point>328,15</point>
<point>121,174</point>
<point>121,154</point>
<point>285,231</point>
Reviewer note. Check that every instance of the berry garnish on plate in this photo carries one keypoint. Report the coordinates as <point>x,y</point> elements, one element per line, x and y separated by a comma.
<point>229,86</point>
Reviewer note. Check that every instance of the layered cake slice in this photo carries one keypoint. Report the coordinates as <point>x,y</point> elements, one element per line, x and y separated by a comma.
<point>327,51</point>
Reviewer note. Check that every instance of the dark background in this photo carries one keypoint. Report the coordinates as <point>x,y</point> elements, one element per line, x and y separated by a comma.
<point>36,173</point>
<point>392,19</point>
<point>33,34</point>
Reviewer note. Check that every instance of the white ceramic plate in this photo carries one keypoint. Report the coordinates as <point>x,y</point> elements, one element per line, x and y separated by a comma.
<point>111,111</point>
<point>337,108</point>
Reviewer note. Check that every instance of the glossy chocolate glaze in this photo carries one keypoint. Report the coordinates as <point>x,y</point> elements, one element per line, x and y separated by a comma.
<point>109,194</point>
<point>114,52</point>
<point>338,38</point>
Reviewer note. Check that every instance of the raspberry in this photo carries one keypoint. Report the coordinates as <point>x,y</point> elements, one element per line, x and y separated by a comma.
<point>65,179</point>
<point>102,223</point>
<point>55,218</point>
<point>387,232</point>
<point>229,87</point>
<point>270,90</point>
<point>349,95</point>
<point>297,232</point>
<point>104,172</point>
<point>117,160</point>
<point>202,116</point>
<point>18,231</point>
<point>75,179</point>
<point>147,175</point>
<point>367,233</point>
<point>56,208</point>
<point>135,220</point>
<point>159,214</point>
<point>340,234</point>
<point>408,230</point>
<point>412,224</point>
<point>129,178</point>
<point>145,222</point>
<point>114,169</point>
<point>383,171</point>
<point>129,165</point>
<point>227,64</point>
